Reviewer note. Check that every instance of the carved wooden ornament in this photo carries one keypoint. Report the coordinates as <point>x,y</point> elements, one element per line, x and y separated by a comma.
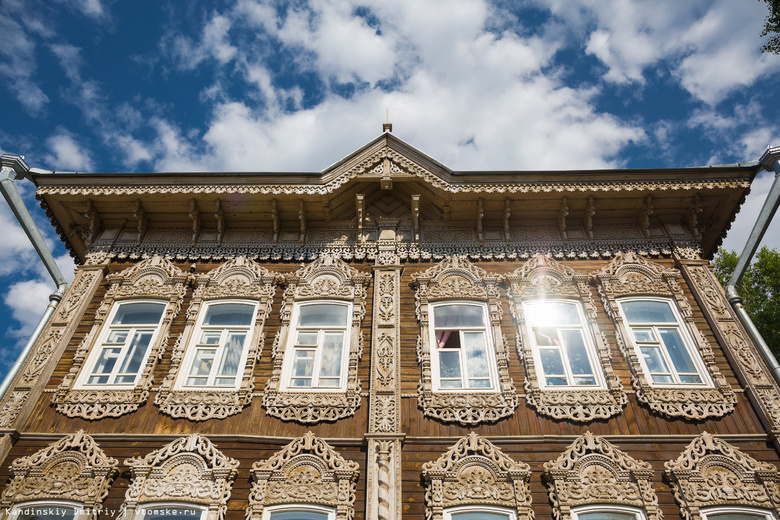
<point>306,471</point>
<point>153,277</point>
<point>593,471</point>
<point>476,472</point>
<point>327,278</point>
<point>455,278</point>
<point>711,472</point>
<point>188,470</point>
<point>73,468</point>
<point>543,277</point>
<point>633,275</point>
<point>238,278</point>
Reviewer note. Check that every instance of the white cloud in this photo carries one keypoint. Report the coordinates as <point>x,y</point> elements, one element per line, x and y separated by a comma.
<point>65,153</point>
<point>214,44</point>
<point>18,66</point>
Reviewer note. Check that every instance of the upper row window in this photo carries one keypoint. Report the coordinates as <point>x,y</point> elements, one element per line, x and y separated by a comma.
<point>463,357</point>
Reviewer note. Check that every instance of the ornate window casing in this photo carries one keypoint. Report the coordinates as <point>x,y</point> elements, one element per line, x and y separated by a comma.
<point>239,281</point>
<point>456,280</point>
<point>327,279</point>
<point>544,282</point>
<point>151,279</point>
<point>479,512</point>
<point>72,472</point>
<point>298,512</point>
<point>710,473</point>
<point>632,276</point>
<point>190,472</point>
<point>737,513</point>
<point>593,472</point>
<point>306,471</point>
<point>474,472</point>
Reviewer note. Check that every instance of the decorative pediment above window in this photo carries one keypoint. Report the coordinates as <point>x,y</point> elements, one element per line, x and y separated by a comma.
<point>73,468</point>
<point>152,278</point>
<point>188,470</point>
<point>593,471</point>
<point>631,275</point>
<point>239,278</point>
<point>327,279</point>
<point>712,472</point>
<point>541,279</point>
<point>457,280</point>
<point>474,471</point>
<point>306,471</point>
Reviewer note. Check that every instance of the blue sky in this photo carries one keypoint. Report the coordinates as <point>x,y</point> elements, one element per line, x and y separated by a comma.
<point>249,85</point>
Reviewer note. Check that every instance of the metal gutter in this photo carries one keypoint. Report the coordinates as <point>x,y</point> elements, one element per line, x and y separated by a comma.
<point>770,160</point>
<point>14,167</point>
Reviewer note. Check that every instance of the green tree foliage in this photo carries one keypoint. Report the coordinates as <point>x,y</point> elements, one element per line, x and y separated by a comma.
<point>759,289</point>
<point>772,27</point>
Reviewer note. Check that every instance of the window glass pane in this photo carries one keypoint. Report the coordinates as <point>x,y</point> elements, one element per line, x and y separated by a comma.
<point>117,336</point>
<point>229,314</point>
<point>210,337</point>
<point>201,364</point>
<point>106,361</point>
<point>476,354</point>
<point>677,351</point>
<point>645,335</point>
<point>452,383</point>
<point>42,512</point>
<point>690,379</point>
<point>457,316</point>
<point>551,314</point>
<point>298,515</point>
<point>171,513</point>
<point>303,365</point>
<point>449,364</point>
<point>735,516</point>
<point>655,362</point>
<point>576,352</point>
<point>322,315</point>
<point>136,353</point>
<point>552,364</point>
<point>331,355</point>
<point>448,338</point>
<point>479,515</point>
<point>231,356</point>
<point>606,515</point>
<point>307,339</point>
<point>648,311</point>
<point>546,337</point>
<point>138,314</point>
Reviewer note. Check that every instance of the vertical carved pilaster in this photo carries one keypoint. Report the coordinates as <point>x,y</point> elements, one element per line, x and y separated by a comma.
<point>740,350</point>
<point>40,364</point>
<point>384,435</point>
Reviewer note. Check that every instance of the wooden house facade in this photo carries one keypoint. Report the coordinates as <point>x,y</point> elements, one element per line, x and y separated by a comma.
<point>389,339</point>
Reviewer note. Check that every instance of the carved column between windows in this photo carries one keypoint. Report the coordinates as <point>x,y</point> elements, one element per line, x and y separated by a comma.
<point>741,351</point>
<point>384,431</point>
<point>38,367</point>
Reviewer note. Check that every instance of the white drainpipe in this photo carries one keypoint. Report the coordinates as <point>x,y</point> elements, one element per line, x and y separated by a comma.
<point>771,161</point>
<point>14,167</point>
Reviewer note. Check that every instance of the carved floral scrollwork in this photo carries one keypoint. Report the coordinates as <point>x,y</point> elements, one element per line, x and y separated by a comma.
<point>594,471</point>
<point>73,468</point>
<point>544,277</point>
<point>455,278</point>
<point>190,469</point>
<point>712,472</point>
<point>308,470</point>
<point>326,278</point>
<point>474,471</point>
<point>237,278</point>
<point>633,275</point>
<point>153,277</point>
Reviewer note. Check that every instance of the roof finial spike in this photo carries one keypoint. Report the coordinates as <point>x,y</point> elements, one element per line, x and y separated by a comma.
<point>387,126</point>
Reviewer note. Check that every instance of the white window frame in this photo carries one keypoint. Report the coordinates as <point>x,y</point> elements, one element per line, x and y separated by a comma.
<point>766,514</point>
<point>596,508</point>
<point>192,348</point>
<point>140,512</point>
<point>79,513</point>
<point>289,356</point>
<point>489,347</point>
<point>270,510</point>
<point>97,347</point>
<point>510,514</point>
<point>698,362</point>
<point>590,348</point>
